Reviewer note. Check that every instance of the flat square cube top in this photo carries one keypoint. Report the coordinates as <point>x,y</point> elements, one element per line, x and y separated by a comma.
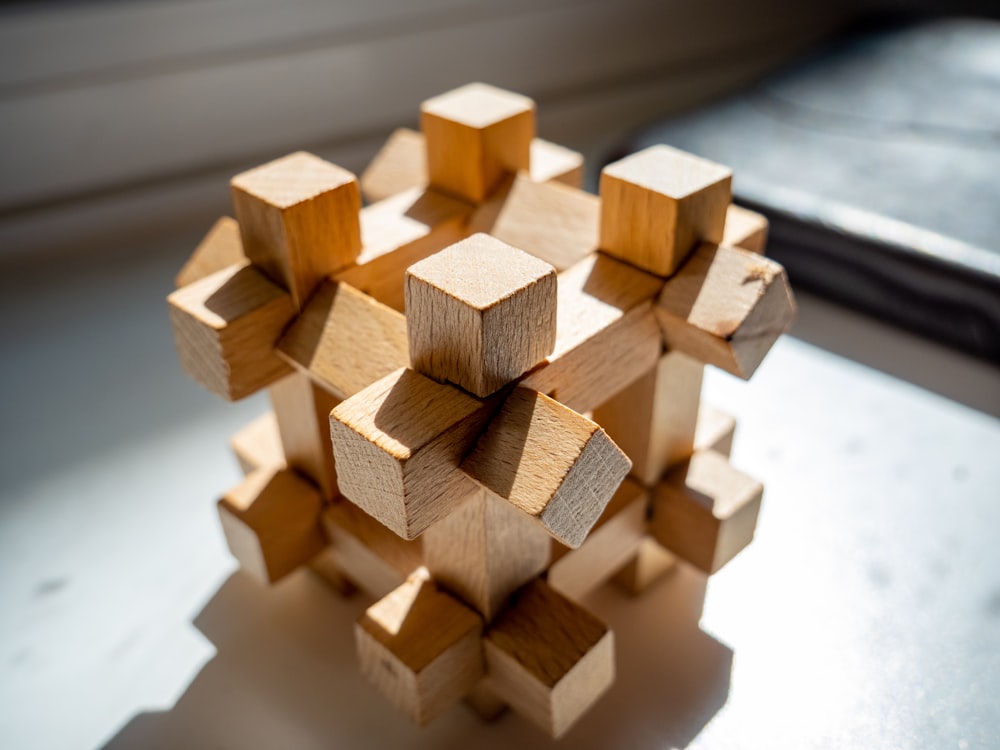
<point>478,105</point>
<point>666,170</point>
<point>292,179</point>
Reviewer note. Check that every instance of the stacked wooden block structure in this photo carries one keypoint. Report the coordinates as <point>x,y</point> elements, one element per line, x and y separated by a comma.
<point>486,391</point>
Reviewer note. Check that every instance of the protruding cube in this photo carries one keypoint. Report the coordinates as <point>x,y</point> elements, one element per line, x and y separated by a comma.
<point>226,326</point>
<point>476,135</point>
<point>658,204</point>
<point>746,229</point>
<point>705,511</point>
<point>258,444</point>
<point>480,313</point>
<point>420,648</point>
<point>299,219</point>
<point>272,522</point>
<point>650,563</point>
<point>220,249</point>
<point>549,658</point>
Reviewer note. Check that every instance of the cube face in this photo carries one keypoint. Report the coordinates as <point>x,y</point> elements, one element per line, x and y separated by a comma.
<point>658,204</point>
<point>480,313</point>
<point>475,136</point>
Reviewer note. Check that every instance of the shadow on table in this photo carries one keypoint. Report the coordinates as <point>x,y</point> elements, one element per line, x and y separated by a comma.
<point>285,675</point>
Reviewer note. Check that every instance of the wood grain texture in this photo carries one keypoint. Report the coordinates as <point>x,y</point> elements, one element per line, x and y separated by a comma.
<point>726,307</point>
<point>398,445</point>
<point>484,550</point>
<point>226,326</point>
<point>715,430</point>
<point>345,340</point>
<point>421,648</point>
<point>653,420</point>
<point>480,313</point>
<point>746,229</point>
<point>271,522</point>
<point>476,135</point>
<point>551,463</point>
<point>302,410</point>
<point>221,247</point>
<point>605,333</point>
<point>549,658</point>
<point>650,563</point>
<point>258,444</point>
<point>705,511</point>
<point>299,220</point>
<point>658,204</point>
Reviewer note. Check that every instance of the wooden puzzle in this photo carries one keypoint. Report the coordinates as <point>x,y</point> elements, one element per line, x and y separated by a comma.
<point>486,392</point>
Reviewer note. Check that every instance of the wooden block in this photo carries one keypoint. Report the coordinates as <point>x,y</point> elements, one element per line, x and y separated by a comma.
<point>551,162</point>
<point>553,222</point>
<point>714,431</point>
<point>746,229</point>
<point>399,232</point>
<point>726,307</point>
<point>484,701</point>
<point>302,410</point>
<point>298,218</point>
<point>401,164</point>
<point>611,543</point>
<point>705,511</point>
<point>325,566</point>
<point>485,550</point>
<point>654,419</point>
<point>555,465</point>
<point>258,444</point>
<point>658,204</point>
<point>480,313</point>
<point>650,563</point>
<point>366,552</point>
<point>226,326</point>
<point>549,658</point>
<point>271,523</point>
<point>420,648</point>
<point>476,135</point>
<point>221,248</point>
<point>605,333</point>
<point>398,444</point>
<point>345,340</point>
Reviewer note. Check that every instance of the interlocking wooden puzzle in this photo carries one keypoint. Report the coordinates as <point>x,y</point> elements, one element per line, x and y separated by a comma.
<point>486,392</point>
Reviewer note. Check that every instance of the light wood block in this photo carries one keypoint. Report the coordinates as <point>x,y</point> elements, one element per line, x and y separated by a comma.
<point>401,164</point>
<point>726,307</point>
<point>654,419</point>
<point>302,410</point>
<point>221,248</point>
<point>746,229</point>
<point>611,543</point>
<point>226,326</point>
<point>551,162</point>
<point>258,444</point>
<point>484,550</point>
<point>715,430</point>
<point>480,313</point>
<point>345,340</point>
<point>271,523</point>
<point>421,648</point>
<point>325,566</point>
<point>484,701</point>
<point>650,563</point>
<point>476,135</point>
<point>398,444</point>
<point>298,218</point>
<point>658,204</point>
<point>548,461</point>
<point>705,511</point>
<point>549,658</point>
<point>551,221</point>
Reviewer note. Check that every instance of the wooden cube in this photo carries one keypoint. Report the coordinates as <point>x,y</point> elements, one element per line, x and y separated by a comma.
<point>299,220</point>
<point>221,248</point>
<point>746,229</point>
<point>658,204</point>
<point>476,135</point>
<point>480,313</point>
<point>258,444</point>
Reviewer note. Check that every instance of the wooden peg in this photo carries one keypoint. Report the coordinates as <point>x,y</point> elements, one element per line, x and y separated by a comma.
<point>475,136</point>
<point>726,307</point>
<point>400,165</point>
<point>226,326</point>
<point>714,431</point>
<point>551,162</point>
<point>258,444</point>
<point>555,465</point>
<point>484,550</point>
<point>650,563</point>
<point>298,218</point>
<point>480,313</point>
<point>221,248</point>
<point>421,648</point>
<point>658,204</point>
<point>549,658</point>
<point>345,340</point>
<point>705,511</point>
<point>271,523</point>
<point>398,444</point>
<point>746,229</point>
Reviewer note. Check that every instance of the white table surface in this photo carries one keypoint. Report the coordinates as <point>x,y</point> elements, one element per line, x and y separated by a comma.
<point>865,614</point>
